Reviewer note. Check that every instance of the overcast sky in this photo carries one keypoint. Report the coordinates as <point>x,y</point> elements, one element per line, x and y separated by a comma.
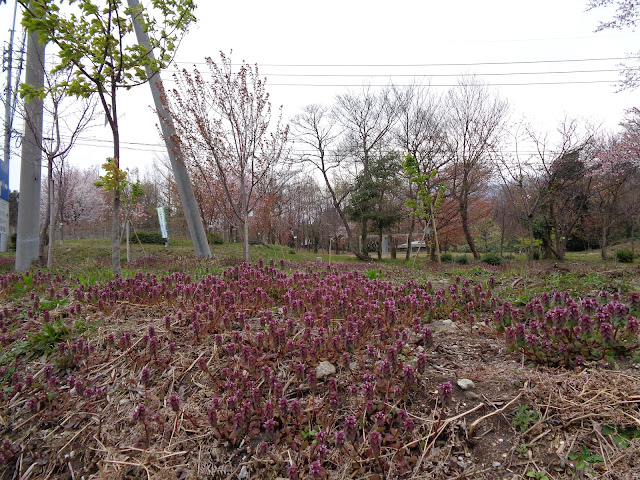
<point>310,52</point>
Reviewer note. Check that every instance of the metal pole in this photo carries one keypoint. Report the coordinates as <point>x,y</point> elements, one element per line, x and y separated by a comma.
<point>180,173</point>
<point>31,162</point>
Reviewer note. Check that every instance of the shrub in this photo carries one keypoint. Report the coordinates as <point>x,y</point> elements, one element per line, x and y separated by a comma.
<point>462,260</point>
<point>153,238</point>
<point>563,331</point>
<point>492,259</point>
<point>625,255</point>
<point>536,255</point>
<point>215,238</point>
<point>446,258</point>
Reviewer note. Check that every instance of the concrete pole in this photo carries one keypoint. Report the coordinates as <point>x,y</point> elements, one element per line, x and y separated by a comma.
<point>31,162</point>
<point>8,117</point>
<point>180,173</point>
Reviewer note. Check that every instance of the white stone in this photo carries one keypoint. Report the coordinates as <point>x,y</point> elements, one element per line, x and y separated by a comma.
<point>466,384</point>
<point>324,369</point>
<point>244,473</point>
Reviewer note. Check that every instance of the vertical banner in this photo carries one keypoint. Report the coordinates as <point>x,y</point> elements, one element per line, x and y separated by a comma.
<point>162,218</point>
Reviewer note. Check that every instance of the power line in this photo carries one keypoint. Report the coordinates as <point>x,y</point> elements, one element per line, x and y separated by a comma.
<point>519,84</point>
<point>455,64</point>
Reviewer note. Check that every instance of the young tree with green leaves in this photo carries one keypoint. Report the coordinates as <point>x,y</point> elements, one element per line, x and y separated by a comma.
<point>96,41</point>
<point>116,179</point>
<point>427,201</point>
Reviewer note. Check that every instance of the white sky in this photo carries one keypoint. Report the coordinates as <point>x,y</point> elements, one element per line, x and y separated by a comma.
<point>405,37</point>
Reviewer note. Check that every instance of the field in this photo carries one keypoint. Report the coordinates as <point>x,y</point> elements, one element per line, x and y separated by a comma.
<point>295,368</point>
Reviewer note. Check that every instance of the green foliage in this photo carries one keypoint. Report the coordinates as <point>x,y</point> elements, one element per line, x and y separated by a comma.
<point>585,458</point>
<point>525,417</point>
<point>625,255</point>
<point>94,41</point>
<point>537,475</point>
<point>45,341</point>
<point>372,274</point>
<point>492,259</point>
<point>152,238</point>
<point>446,258</point>
<point>215,238</point>
<point>621,436</point>
<point>371,200</point>
<point>462,260</point>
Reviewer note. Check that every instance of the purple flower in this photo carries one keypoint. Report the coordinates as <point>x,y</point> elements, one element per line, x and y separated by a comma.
<point>385,368</point>
<point>446,392</point>
<point>409,425</point>
<point>606,332</point>
<point>311,378</point>
<point>322,451</point>
<point>174,402</point>
<point>408,374</point>
<point>293,473</point>
<point>350,428</point>
<point>145,376</point>
<point>510,337</point>
<point>283,405</point>
<point>316,469</point>
<point>368,390</point>
<point>295,407</point>
<point>421,362</point>
<point>269,425</point>
<point>427,337</point>
<point>268,409</point>
<point>139,413</point>
<point>212,416</point>
<point>340,438</point>
<point>375,440</point>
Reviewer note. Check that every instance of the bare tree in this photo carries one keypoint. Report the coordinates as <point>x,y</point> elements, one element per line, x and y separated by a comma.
<point>420,133</point>
<point>225,122</point>
<point>367,118</point>
<point>524,185</point>
<point>315,128</point>
<point>476,117</point>
<point>65,120</point>
<point>568,170</point>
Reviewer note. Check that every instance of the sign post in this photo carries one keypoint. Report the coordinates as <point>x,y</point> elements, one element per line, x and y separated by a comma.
<point>162,218</point>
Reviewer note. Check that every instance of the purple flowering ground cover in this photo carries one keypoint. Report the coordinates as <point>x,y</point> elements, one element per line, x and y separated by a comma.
<point>316,370</point>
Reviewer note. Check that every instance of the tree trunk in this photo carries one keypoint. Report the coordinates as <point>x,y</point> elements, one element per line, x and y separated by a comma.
<point>464,219</point>
<point>52,227</point>
<point>410,237</point>
<point>115,233</point>
<point>392,247</point>
<point>502,236</point>
<point>127,233</point>
<point>245,223</point>
<point>435,235</point>
<point>603,242</point>
<point>380,244</point>
<point>530,240</point>
<point>47,216</point>
<point>364,248</point>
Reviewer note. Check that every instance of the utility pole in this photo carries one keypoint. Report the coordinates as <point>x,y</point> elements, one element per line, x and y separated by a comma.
<point>180,173</point>
<point>8,122</point>
<point>31,162</point>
